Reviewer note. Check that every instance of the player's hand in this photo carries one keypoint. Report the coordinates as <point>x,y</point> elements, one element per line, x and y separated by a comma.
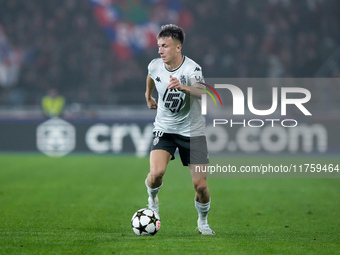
<point>152,104</point>
<point>174,83</point>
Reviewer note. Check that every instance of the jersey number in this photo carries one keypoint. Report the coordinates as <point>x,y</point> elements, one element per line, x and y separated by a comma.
<point>172,100</point>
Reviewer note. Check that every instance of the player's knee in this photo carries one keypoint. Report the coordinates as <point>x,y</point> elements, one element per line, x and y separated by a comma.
<point>201,187</point>
<point>156,173</point>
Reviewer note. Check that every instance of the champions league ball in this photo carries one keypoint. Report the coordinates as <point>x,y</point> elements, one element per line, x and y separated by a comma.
<point>145,222</point>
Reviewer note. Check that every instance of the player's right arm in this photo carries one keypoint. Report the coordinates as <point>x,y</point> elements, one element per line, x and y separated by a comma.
<point>150,86</point>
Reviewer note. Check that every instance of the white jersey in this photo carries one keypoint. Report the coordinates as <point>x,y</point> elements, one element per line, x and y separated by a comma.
<point>177,113</point>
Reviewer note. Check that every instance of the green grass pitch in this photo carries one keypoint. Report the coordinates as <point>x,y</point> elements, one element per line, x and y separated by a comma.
<point>83,204</point>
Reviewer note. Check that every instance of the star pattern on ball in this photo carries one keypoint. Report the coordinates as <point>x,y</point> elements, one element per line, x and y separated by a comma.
<point>141,228</point>
<point>153,219</point>
<point>139,214</point>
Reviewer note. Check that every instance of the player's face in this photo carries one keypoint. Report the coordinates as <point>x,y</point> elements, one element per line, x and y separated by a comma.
<point>168,49</point>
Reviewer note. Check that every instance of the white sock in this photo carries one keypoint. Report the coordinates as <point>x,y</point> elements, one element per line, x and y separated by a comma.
<point>202,210</point>
<point>152,192</point>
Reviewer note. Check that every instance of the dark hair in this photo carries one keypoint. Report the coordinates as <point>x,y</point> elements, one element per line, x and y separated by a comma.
<point>173,31</point>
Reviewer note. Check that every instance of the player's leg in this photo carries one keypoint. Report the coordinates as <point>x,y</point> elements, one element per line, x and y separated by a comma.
<point>159,160</point>
<point>202,198</point>
<point>194,152</point>
<point>202,193</point>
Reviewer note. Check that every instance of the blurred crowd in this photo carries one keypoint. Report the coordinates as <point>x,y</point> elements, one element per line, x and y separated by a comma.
<point>66,49</point>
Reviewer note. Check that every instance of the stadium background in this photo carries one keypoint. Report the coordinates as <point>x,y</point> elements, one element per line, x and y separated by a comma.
<point>96,52</point>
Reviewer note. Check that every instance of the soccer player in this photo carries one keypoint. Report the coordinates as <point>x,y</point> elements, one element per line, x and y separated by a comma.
<point>178,123</point>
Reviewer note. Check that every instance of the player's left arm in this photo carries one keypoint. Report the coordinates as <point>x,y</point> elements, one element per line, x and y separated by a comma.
<point>193,91</point>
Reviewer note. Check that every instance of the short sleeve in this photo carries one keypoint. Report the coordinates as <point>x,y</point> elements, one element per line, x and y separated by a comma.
<point>196,75</point>
<point>151,68</point>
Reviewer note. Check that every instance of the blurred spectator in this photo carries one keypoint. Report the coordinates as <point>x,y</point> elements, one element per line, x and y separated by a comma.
<point>52,104</point>
<point>10,61</point>
<point>230,38</point>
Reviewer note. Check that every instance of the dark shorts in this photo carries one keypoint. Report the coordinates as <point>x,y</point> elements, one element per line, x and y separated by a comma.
<point>192,150</point>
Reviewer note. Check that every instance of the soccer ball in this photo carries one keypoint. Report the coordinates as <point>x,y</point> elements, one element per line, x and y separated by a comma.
<point>145,222</point>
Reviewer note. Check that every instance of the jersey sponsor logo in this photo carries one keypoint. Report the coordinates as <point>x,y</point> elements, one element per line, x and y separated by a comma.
<point>172,100</point>
<point>197,69</point>
<point>158,79</point>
